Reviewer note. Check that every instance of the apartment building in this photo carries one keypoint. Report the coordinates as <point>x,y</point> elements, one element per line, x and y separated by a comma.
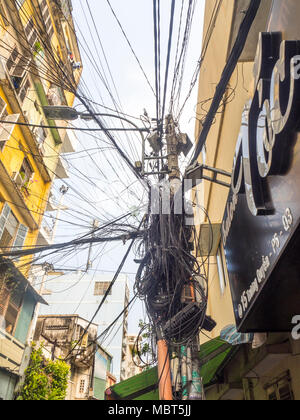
<point>81,293</point>
<point>36,70</point>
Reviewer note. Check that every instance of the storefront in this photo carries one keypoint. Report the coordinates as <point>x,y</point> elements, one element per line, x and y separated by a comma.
<point>253,276</point>
<point>260,229</point>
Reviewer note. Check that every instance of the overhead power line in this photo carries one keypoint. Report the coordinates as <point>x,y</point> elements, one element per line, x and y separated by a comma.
<point>130,46</point>
<point>71,128</point>
<point>108,290</point>
<point>227,74</point>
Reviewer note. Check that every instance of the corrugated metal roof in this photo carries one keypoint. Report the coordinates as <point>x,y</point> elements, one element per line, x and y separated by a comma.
<point>144,386</point>
<point>212,355</point>
<point>140,387</point>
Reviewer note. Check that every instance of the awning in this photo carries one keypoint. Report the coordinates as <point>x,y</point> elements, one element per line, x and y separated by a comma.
<point>213,356</point>
<point>140,387</point>
<point>6,264</point>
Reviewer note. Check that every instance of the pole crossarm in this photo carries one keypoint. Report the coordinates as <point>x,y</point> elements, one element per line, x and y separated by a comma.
<point>199,171</point>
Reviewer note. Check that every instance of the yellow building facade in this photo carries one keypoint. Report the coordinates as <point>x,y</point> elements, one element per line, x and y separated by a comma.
<point>39,66</point>
<point>262,370</point>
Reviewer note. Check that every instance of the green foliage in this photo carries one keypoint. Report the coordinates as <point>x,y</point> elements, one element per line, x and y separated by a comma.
<point>37,48</point>
<point>44,379</point>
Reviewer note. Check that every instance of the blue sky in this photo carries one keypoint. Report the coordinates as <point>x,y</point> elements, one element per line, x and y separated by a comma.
<point>103,191</point>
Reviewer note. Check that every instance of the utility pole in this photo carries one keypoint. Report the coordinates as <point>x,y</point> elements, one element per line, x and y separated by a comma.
<point>89,263</point>
<point>190,364</point>
<point>63,190</point>
<point>164,368</point>
<point>46,267</point>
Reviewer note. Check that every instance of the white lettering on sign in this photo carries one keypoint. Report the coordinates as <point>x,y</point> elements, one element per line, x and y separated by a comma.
<point>248,295</point>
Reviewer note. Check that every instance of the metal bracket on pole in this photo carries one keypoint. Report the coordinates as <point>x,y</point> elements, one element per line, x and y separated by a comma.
<point>197,173</point>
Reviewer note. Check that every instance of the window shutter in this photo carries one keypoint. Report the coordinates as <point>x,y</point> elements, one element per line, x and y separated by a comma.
<point>7,129</point>
<point>24,90</point>
<point>30,32</point>
<point>20,237</point>
<point>2,106</point>
<point>12,58</point>
<point>21,67</point>
<point>3,218</point>
<point>47,18</point>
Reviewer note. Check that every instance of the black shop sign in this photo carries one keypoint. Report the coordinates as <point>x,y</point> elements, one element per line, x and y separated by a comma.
<point>260,230</point>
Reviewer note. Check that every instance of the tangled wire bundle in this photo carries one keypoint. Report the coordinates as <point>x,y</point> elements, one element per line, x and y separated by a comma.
<point>170,278</point>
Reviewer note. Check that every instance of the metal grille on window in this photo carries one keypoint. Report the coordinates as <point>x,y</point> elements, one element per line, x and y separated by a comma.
<point>31,33</point>
<point>101,288</point>
<point>20,237</point>
<point>47,18</point>
<point>4,295</point>
<point>40,133</point>
<point>12,59</point>
<point>82,386</point>
<point>24,90</point>
<point>5,226</point>
<point>281,389</point>
<point>2,106</point>
<point>7,129</point>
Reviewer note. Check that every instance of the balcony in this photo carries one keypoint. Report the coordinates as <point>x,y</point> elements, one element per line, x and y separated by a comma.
<point>45,236</point>
<point>51,204</point>
<point>69,143</point>
<point>66,7</point>
<point>15,196</point>
<point>61,169</point>
<point>55,96</point>
<point>11,352</point>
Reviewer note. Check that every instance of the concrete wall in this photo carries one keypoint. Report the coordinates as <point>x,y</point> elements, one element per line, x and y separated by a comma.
<point>7,385</point>
<point>221,141</point>
<point>74,294</point>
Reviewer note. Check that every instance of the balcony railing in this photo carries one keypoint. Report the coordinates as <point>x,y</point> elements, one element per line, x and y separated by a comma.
<point>11,352</point>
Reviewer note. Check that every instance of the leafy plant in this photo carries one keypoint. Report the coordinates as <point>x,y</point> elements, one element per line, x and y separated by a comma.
<point>37,48</point>
<point>44,379</point>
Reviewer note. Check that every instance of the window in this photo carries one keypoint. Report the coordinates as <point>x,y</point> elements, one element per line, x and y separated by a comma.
<point>40,133</point>
<point>17,66</point>
<point>24,90</point>
<point>19,3</point>
<point>7,129</point>
<point>31,33</point>
<point>25,174</point>
<point>3,105</point>
<point>101,288</point>
<point>11,299</point>
<point>12,233</point>
<point>3,15</point>
<point>82,386</point>
<point>12,59</point>
<point>47,18</point>
<point>221,269</point>
<point>281,389</point>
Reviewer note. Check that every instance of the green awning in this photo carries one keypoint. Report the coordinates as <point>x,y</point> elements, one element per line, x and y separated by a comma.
<point>213,355</point>
<point>140,387</point>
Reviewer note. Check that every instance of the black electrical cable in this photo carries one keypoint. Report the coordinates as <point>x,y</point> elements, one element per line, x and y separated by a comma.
<point>226,74</point>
